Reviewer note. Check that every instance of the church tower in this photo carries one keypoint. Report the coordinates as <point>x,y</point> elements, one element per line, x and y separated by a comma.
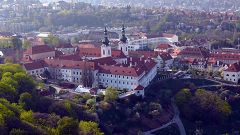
<point>123,46</point>
<point>106,50</point>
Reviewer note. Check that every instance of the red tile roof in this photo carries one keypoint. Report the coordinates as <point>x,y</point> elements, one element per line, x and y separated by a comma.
<point>90,52</point>
<point>219,55</point>
<point>133,67</point>
<point>195,52</point>
<point>35,65</point>
<point>38,49</point>
<point>118,54</point>
<point>234,67</point>
<point>120,70</point>
<point>165,56</point>
<point>96,52</point>
<point>103,61</point>
<point>150,54</point>
<point>163,46</point>
<point>139,87</point>
<point>168,35</point>
<point>57,63</point>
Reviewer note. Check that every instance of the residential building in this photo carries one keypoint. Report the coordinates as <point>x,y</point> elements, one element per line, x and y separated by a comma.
<point>232,73</point>
<point>39,52</point>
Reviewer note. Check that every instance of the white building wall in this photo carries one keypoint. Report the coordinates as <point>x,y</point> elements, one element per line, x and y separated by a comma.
<point>67,51</point>
<point>37,71</point>
<point>118,81</point>
<point>231,76</point>
<point>147,78</point>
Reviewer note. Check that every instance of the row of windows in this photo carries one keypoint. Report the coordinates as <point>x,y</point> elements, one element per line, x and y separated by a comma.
<point>232,75</point>
<point>117,76</point>
<point>41,70</point>
<point>119,82</point>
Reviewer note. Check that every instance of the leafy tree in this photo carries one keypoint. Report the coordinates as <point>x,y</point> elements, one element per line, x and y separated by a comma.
<point>5,113</point>
<point>25,101</point>
<point>67,126</point>
<point>90,102</point>
<point>27,116</point>
<point>89,128</point>
<point>111,94</point>
<point>7,91</point>
<point>25,82</point>
<point>183,97</point>
<point>10,81</point>
<point>86,97</point>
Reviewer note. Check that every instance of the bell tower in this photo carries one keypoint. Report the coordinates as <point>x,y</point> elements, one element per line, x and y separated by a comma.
<point>106,50</point>
<point>123,46</point>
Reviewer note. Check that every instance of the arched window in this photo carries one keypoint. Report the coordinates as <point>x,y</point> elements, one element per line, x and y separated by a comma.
<point>103,52</point>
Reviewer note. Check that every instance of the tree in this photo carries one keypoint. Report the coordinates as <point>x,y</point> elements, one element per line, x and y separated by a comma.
<point>67,126</point>
<point>183,97</point>
<point>25,101</point>
<point>25,83</point>
<point>27,116</point>
<point>87,76</point>
<point>10,81</point>
<point>7,91</point>
<point>25,44</point>
<point>52,40</point>
<point>17,43</point>
<point>111,94</point>
<point>89,128</point>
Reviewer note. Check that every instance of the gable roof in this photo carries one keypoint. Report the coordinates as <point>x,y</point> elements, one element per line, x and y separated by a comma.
<point>150,54</point>
<point>35,65</point>
<point>234,67</point>
<point>90,52</point>
<point>39,49</point>
<point>196,52</point>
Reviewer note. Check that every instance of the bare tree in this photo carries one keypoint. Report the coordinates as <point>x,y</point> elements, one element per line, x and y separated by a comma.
<point>87,76</point>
